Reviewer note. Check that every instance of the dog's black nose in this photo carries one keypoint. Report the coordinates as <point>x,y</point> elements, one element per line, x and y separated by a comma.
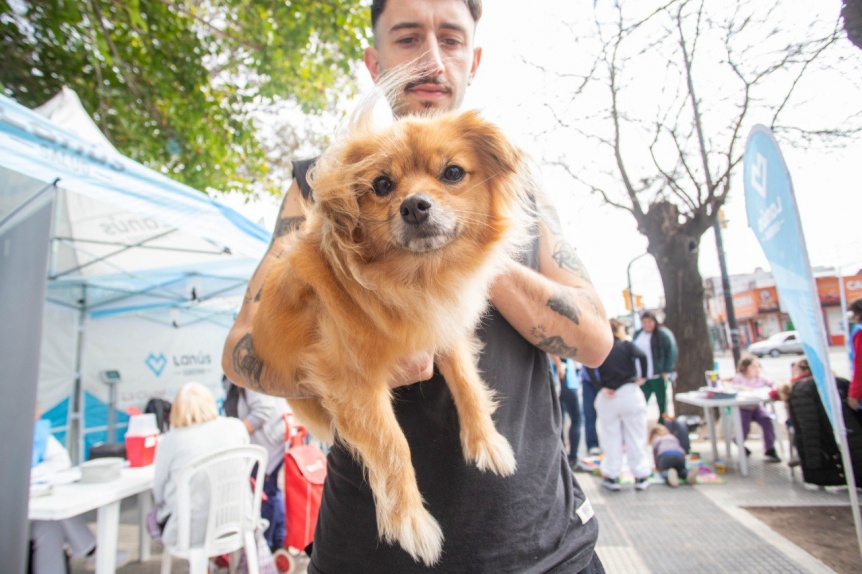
<point>416,208</point>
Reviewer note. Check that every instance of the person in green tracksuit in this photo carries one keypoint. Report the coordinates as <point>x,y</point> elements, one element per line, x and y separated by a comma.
<point>659,345</point>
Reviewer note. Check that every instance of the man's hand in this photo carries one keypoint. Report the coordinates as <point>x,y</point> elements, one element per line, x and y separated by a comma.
<point>419,367</point>
<point>640,381</point>
<point>608,393</point>
<point>854,403</point>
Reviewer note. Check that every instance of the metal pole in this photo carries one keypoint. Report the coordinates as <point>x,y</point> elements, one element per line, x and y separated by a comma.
<point>631,293</point>
<point>77,428</point>
<point>112,412</point>
<point>725,287</point>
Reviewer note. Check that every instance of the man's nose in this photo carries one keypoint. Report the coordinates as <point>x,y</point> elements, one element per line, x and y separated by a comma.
<point>432,59</point>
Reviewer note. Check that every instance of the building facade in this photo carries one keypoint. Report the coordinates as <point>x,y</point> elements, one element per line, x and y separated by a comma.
<point>758,308</point>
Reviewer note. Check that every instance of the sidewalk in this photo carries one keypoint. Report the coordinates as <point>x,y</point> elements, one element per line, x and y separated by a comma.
<point>705,528</point>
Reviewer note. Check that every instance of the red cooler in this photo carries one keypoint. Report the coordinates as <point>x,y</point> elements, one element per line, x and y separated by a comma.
<point>141,440</point>
<point>141,449</point>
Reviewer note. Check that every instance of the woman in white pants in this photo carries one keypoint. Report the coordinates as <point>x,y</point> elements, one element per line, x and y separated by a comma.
<point>621,412</point>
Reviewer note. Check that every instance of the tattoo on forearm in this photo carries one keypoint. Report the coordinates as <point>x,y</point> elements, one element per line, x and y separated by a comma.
<point>287,225</point>
<point>553,344</point>
<point>247,297</point>
<point>563,304</point>
<point>566,258</point>
<point>246,363</point>
<point>257,297</point>
<point>584,295</point>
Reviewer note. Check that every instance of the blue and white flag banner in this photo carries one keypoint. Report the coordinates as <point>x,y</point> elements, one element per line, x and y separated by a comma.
<point>774,217</point>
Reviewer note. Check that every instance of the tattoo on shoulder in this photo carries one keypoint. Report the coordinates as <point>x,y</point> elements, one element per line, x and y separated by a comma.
<point>287,225</point>
<point>566,258</point>
<point>565,305</point>
<point>553,344</point>
<point>246,363</point>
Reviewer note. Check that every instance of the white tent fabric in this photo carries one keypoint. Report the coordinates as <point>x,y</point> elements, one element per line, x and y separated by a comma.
<point>145,274</point>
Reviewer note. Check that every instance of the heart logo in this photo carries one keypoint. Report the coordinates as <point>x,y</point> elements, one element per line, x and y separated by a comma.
<point>156,363</point>
<point>758,175</point>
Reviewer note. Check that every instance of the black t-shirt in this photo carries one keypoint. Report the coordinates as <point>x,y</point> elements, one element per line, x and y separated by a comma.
<point>535,521</point>
<point>619,367</point>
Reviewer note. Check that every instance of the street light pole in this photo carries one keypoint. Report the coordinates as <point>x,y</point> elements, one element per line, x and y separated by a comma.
<point>725,287</point>
<point>631,293</point>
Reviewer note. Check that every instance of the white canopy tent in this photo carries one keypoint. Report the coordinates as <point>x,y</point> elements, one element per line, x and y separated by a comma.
<point>144,276</point>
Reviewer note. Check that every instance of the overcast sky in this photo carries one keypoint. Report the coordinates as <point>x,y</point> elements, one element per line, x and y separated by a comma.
<point>513,92</point>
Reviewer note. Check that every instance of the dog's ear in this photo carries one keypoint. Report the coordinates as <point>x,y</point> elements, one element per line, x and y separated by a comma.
<point>495,151</point>
<point>335,198</point>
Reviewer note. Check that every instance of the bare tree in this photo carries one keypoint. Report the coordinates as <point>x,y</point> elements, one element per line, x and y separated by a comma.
<point>851,13</point>
<point>678,86</point>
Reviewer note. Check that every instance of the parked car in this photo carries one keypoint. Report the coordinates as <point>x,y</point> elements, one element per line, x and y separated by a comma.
<point>783,342</point>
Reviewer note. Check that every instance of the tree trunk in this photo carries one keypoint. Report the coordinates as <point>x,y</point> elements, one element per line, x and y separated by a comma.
<point>675,248</point>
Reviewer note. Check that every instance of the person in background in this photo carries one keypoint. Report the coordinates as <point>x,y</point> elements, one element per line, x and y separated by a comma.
<point>748,377</point>
<point>621,409</point>
<point>659,346</point>
<point>49,537</point>
<point>196,429</point>
<point>590,388</point>
<point>799,371</point>
<point>567,374</point>
<point>263,417</point>
<point>854,316</point>
<point>669,457</point>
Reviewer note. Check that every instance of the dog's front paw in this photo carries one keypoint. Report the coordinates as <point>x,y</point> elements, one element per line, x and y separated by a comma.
<point>491,452</point>
<point>418,533</point>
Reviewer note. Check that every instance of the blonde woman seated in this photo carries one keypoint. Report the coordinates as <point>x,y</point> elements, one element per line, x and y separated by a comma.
<point>196,429</point>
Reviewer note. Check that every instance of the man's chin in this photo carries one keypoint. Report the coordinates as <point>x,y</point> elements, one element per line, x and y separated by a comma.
<point>412,105</point>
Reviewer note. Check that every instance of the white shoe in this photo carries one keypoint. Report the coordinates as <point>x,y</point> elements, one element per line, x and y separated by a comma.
<point>672,477</point>
<point>642,483</point>
<point>595,451</point>
<point>122,560</point>
<point>611,484</point>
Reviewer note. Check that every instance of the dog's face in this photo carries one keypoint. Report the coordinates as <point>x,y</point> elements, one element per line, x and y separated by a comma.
<point>422,186</point>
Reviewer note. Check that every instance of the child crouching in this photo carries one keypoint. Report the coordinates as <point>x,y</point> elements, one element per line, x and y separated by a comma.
<point>670,457</point>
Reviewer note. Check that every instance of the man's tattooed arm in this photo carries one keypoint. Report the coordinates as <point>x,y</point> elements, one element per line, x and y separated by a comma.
<point>286,225</point>
<point>553,344</point>
<point>563,303</point>
<point>556,309</point>
<point>246,363</point>
<point>239,362</point>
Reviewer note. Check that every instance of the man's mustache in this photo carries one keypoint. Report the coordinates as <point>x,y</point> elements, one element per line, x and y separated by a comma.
<point>427,80</point>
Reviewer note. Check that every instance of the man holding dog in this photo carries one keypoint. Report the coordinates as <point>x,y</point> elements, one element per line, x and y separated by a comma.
<point>537,520</point>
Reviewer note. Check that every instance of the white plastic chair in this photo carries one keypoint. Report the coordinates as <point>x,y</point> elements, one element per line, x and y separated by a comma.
<point>233,513</point>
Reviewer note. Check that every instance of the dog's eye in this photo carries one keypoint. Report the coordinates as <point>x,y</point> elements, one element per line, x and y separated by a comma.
<point>454,173</point>
<point>382,186</point>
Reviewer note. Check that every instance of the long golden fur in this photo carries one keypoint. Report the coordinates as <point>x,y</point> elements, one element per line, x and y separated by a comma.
<point>382,271</point>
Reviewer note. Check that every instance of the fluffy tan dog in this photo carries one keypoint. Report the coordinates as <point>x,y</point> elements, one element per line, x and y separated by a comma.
<point>409,226</point>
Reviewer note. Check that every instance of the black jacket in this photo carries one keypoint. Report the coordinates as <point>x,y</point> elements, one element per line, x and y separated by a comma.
<point>814,439</point>
<point>619,368</point>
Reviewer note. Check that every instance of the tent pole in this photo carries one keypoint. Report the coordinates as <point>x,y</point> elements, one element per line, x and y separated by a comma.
<point>76,419</point>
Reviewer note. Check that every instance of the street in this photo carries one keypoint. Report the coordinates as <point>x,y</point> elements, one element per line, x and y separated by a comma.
<point>778,369</point>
